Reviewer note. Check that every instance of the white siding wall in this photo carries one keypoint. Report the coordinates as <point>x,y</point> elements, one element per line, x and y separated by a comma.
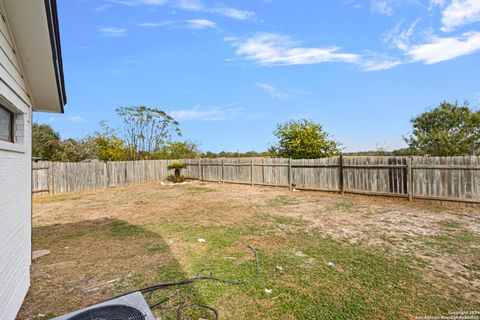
<point>15,182</point>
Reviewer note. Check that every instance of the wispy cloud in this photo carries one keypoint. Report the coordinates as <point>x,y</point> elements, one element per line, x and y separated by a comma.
<point>228,112</point>
<point>273,91</point>
<point>460,13</point>
<point>102,8</point>
<point>191,5</point>
<point>233,13</point>
<point>271,49</point>
<point>112,31</point>
<point>424,46</point>
<point>437,3</point>
<point>72,119</point>
<point>267,49</point>
<point>387,7</point>
<point>382,7</point>
<point>438,49</point>
<point>378,62</point>
<point>196,5</point>
<point>154,24</point>
<point>401,38</point>
<point>140,2</point>
<point>190,24</point>
<point>77,119</point>
<point>200,24</point>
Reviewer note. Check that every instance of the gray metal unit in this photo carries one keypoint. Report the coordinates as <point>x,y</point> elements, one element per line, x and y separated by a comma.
<point>134,300</point>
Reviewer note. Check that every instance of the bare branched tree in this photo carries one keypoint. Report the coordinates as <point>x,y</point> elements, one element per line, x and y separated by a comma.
<point>145,130</point>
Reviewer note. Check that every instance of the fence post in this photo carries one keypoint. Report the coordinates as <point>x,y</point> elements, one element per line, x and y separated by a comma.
<point>251,171</point>
<point>50,177</point>
<point>340,174</point>
<point>223,170</point>
<point>200,169</point>
<point>290,173</point>
<point>107,183</point>
<point>410,179</point>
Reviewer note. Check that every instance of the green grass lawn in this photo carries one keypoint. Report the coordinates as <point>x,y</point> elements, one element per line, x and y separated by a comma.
<point>296,280</point>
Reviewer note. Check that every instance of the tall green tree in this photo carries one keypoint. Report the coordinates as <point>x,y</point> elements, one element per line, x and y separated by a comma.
<point>179,150</point>
<point>46,143</point>
<point>447,130</point>
<point>109,148</point>
<point>78,150</point>
<point>304,139</point>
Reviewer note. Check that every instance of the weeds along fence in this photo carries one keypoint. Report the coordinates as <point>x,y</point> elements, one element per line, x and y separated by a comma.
<point>433,178</point>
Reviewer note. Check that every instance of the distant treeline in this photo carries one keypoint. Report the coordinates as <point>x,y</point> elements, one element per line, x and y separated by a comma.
<point>146,133</point>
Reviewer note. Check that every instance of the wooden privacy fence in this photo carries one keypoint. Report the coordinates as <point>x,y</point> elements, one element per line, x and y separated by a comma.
<point>436,178</point>
<point>60,177</point>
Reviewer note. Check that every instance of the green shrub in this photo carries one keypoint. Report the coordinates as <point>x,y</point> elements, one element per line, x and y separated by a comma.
<point>175,179</point>
<point>177,167</point>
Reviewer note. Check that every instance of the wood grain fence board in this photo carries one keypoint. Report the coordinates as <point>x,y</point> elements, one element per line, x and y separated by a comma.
<point>461,179</point>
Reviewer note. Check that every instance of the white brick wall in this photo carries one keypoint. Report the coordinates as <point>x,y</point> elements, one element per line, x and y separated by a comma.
<point>15,184</point>
<point>15,227</point>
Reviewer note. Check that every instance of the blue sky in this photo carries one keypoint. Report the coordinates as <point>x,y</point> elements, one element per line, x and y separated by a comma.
<point>230,70</point>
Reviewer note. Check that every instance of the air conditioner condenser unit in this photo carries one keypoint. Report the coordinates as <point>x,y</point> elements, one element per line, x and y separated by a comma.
<point>129,307</point>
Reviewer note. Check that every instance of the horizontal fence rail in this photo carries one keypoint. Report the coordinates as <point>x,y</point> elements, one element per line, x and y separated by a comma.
<point>435,178</point>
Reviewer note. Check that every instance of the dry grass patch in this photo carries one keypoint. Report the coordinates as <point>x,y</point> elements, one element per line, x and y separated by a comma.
<point>390,259</point>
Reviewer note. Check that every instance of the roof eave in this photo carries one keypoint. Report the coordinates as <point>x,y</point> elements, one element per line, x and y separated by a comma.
<point>35,30</point>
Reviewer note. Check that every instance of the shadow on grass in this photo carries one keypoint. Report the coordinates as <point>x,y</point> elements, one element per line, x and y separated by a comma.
<point>96,260</point>
<point>92,261</point>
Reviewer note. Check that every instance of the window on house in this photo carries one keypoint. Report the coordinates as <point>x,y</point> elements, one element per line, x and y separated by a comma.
<point>7,125</point>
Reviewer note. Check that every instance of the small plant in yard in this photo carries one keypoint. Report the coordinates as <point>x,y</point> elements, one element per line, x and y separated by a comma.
<point>177,167</point>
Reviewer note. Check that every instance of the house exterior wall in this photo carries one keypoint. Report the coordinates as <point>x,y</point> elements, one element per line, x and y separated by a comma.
<point>15,180</point>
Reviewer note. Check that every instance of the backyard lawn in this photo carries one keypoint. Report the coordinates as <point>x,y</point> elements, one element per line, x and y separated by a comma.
<point>322,256</point>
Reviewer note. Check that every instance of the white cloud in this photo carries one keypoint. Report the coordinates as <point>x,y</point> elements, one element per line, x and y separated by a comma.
<point>112,31</point>
<point>438,49</point>
<point>460,13</point>
<point>191,5</point>
<point>200,24</point>
<point>190,24</point>
<point>382,7</point>
<point>274,92</point>
<point>379,62</point>
<point>153,24</point>
<point>140,2</point>
<point>101,8</point>
<point>196,5</point>
<point>401,39</point>
<point>424,46</point>
<point>387,7</point>
<point>437,3</point>
<point>234,13</point>
<point>275,49</point>
<point>73,119</point>
<point>223,113</point>
<point>268,49</point>
<point>77,119</point>
<point>154,2</point>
